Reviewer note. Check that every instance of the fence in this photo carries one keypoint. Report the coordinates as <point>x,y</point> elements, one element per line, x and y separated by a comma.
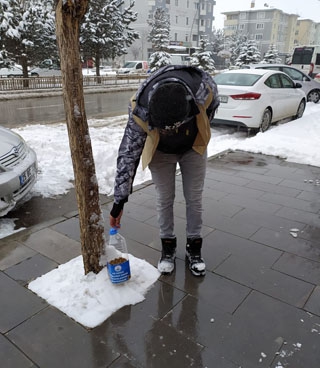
<point>14,84</point>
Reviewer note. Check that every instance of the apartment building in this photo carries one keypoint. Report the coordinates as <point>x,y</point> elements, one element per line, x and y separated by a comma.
<point>307,32</point>
<point>272,26</point>
<point>189,20</point>
<point>266,26</point>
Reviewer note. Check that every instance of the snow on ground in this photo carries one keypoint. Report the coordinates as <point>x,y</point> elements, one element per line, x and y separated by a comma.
<point>93,298</point>
<point>296,141</point>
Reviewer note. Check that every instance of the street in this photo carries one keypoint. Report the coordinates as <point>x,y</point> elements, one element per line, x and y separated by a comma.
<point>26,111</point>
<point>40,110</point>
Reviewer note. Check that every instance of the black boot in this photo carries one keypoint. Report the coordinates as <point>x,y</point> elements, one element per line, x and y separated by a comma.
<point>168,255</point>
<point>193,257</point>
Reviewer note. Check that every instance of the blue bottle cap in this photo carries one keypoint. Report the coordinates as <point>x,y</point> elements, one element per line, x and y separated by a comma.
<point>113,231</point>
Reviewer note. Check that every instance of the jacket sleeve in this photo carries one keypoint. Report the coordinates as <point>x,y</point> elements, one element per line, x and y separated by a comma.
<point>128,160</point>
<point>215,101</point>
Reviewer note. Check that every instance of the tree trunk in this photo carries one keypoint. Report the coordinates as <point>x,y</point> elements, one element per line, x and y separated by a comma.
<point>68,17</point>
<point>97,55</point>
<point>24,64</point>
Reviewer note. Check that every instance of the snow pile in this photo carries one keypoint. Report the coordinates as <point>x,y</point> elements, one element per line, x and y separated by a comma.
<point>91,299</point>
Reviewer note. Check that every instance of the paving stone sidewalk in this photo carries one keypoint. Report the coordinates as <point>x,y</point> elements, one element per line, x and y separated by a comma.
<point>257,306</point>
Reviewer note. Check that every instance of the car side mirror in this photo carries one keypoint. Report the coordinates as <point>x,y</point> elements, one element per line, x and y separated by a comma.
<point>298,85</point>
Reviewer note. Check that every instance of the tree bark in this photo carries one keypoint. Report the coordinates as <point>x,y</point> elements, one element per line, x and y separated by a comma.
<point>69,14</point>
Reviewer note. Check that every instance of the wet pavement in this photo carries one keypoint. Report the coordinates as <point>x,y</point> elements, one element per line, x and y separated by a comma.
<point>257,306</point>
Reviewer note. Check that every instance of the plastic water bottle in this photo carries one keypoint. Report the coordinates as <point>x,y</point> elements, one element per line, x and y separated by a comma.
<point>116,254</point>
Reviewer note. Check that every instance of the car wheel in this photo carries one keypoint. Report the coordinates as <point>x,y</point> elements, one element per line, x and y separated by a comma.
<point>314,96</point>
<point>34,75</point>
<point>265,120</point>
<point>301,109</point>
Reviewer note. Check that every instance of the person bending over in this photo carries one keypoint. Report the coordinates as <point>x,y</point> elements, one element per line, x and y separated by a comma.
<point>169,124</point>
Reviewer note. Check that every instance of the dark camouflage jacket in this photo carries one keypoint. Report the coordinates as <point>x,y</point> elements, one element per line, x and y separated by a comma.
<point>204,91</point>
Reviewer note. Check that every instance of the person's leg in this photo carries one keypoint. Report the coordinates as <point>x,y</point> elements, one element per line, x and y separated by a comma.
<point>163,171</point>
<point>193,170</point>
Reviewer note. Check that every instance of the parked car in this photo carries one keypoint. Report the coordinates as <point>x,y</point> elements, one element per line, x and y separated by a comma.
<point>134,67</point>
<point>12,71</point>
<point>104,70</point>
<point>180,59</point>
<point>310,86</point>
<point>256,98</point>
<point>18,170</point>
<point>45,72</point>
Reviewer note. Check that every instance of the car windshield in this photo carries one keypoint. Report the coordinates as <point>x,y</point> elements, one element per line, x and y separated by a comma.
<point>129,64</point>
<point>236,79</point>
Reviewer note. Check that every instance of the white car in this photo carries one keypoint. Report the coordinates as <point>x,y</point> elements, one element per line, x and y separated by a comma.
<point>134,67</point>
<point>45,72</point>
<point>12,71</point>
<point>310,86</point>
<point>104,70</point>
<point>257,98</point>
<point>18,170</point>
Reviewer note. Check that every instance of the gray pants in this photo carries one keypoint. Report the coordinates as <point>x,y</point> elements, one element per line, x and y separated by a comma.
<point>193,169</point>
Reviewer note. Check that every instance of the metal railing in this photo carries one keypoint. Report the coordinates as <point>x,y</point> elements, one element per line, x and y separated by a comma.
<point>23,84</point>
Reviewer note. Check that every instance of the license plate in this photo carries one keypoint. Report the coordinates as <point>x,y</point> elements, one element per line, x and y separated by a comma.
<point>223,99</point>
<point>26,175</point>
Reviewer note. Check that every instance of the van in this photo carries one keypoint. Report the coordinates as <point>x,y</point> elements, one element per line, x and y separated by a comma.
<point>134,67</point>
<point>307,59</point>
<point>179,59</point>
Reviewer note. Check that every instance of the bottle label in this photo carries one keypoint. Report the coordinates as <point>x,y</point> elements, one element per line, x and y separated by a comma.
<point>119,270</point>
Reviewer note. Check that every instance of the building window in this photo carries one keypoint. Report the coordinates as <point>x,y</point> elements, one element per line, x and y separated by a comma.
<point>231,28</point>
<point>167,1</point>
<point>176,2</point>
<point>232,17</point>
<point>202,22</point>
<point>241,27</point>
<point>187,38</point>
<point>187,21</point>
<point>243,15</point>
<point>259,37</point>
<point>194,37</point>
<point>176,19</point>
<point>176,36</point>
<point>259,26</point>
<point>261,15</point>
<point>188,4</point>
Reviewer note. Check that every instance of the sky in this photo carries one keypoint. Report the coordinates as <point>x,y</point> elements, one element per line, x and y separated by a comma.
<point>310,10</point>
<point>91,299</point>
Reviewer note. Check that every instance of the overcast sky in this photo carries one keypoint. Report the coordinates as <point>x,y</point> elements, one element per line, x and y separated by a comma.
<point>309,9</point>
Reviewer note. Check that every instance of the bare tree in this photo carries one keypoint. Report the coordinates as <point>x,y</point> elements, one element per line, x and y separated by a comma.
<point>69,14</point>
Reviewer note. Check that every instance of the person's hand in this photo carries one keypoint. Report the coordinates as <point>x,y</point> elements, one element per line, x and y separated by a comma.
<point>115,221</point>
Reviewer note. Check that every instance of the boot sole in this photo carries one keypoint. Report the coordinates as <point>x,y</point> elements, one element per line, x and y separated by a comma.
<point>194,272</point>
<point>197,273</point>
<point>168,272</point>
